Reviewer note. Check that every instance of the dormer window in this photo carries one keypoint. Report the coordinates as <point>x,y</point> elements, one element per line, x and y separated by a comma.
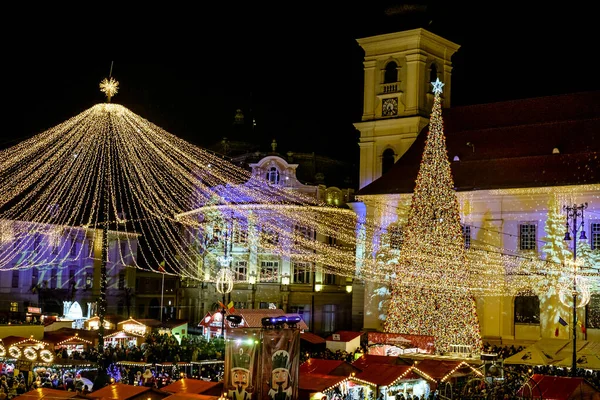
<point>273,176</point>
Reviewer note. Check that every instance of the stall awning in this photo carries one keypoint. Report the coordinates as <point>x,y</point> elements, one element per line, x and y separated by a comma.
<point>383,375</point>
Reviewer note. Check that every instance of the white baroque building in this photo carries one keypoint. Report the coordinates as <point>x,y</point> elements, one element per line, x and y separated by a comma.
<point>515,165</point>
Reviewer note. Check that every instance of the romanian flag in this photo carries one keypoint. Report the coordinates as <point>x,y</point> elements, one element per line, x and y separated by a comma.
<point>230,308</point>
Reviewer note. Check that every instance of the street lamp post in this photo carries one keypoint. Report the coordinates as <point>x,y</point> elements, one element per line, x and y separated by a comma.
<point>573,212</point>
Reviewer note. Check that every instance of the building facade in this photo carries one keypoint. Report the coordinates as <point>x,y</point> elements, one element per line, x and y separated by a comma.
<point>56,272</point>
<point>515,164</point>
<point>264,279</point>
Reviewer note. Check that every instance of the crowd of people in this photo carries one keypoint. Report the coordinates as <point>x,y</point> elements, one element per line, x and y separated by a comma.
<point>158,366</point>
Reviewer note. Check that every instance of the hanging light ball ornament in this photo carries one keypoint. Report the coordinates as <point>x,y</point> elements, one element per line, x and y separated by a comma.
<point>2,351</point>
<point>224,281</point>
<point>565,291</point>
<point>30,353</point>
<point>46,356</point>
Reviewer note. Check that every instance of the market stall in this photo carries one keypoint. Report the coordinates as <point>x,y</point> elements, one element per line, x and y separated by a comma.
<point>123,339</point>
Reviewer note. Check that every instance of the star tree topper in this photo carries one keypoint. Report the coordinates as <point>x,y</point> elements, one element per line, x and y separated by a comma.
<point>437,86</point>
<point>110,87</point>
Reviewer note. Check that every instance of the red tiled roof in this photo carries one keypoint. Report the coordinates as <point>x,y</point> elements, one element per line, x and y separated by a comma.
<point>312,338</point>
<point>190,396</point>
<point>188,385</point>
<point>319,366</point>
<point>550,387</point>
<point>512,146</point>
<point>118,391</point>
<point>318,382</point>
<point>383,374</point>
<point>45,393</point>
<point>345,336</point>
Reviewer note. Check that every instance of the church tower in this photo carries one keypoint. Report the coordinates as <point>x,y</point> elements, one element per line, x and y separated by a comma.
<point>398,71</point>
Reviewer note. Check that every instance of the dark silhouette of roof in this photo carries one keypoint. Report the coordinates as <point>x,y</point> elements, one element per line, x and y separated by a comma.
<point>537,142</point>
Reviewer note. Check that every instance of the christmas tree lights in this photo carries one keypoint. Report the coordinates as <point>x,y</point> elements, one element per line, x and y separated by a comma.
<point>431,294</point>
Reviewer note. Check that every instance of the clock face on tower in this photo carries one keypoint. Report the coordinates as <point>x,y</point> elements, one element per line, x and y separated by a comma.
<point>389,107</point>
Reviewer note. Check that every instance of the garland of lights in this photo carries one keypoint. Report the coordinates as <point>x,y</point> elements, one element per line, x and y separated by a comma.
<point>164,189</point>
<point>433,251</point>
<point>2,351</point>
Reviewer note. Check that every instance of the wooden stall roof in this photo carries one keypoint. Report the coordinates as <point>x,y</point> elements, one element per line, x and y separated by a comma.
<point>385,375</point>
<point>319,382</point>
<point>312,338</point>
<point>190,396</point>
<point>47,394</point>
<point>368,359</point>
<point>327,367</point>
<point>21,341</point>
<point>439,369</point>
<point>118,391</point>
<point>345,336</point>
<point>188,385</point>
<point>556,388</point>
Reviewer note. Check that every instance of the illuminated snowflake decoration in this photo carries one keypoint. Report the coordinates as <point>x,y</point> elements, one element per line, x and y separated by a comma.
<point>437,86</point>
<point>565,290</point>
<point>110,87</point>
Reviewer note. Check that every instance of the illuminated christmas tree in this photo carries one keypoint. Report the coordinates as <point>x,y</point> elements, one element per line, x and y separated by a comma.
<point>432,294</point>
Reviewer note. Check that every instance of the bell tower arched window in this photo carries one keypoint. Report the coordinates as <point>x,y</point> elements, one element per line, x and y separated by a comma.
<point>391,73</point>
<point>273,176</point>
<point>387,160</point>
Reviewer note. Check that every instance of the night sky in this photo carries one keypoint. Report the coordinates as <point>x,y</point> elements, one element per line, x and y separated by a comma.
<point>298,68</point>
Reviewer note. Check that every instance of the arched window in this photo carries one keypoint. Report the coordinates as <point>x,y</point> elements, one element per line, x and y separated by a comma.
<point>273,175</point>
<point>387,160</point>
<point>433,74</point>
<point>391,73</point>
<point>527,309</point>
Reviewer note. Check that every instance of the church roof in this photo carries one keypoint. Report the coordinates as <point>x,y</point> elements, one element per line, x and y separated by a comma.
<point>536,142</point>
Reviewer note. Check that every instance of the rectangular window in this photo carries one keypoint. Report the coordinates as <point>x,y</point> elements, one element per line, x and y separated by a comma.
<point>593,312</point>
<point>331,240</point>
<point>124,251</point>
<point>303,311</point>
<point>302,232</point>
<point>240,233</point>
<point>122,280</point>
<point>72,279</point>
<point>269,237</point>
<point>302,271</point>
<point>269,271</point>
<point>55,244</point>
<point>595,235</point>
<point>34,277</point>
<point>15,279</point>
<point>141,310</point>
<point>329,279</point>
<point>240,271</point>
<point>73,246</point>
<point>264,305</point>
<point>88,281</point>
<point>466,230</point>
<point>527,237</point>
<point>37,243</point>
<point>329,318</point>
<point>14,306</point>
<point>53,278</point>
